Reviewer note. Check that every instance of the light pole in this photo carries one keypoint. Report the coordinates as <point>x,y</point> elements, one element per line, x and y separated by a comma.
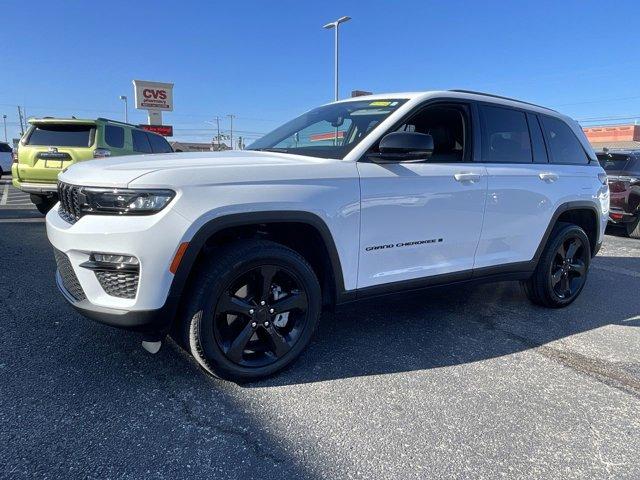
<point>126,108</point>
<point>4,120</point>
<point>335,26</point>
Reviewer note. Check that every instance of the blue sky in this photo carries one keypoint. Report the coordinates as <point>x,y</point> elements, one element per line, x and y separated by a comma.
<point>266,62</point>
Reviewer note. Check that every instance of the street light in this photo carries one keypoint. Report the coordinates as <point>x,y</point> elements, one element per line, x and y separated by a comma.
<point>126,108</point>
<point>4,120</point>
<point>335,26</point>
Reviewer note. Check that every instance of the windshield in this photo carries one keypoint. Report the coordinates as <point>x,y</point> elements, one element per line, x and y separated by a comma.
<point>330,131</point>
<point>63,135</point>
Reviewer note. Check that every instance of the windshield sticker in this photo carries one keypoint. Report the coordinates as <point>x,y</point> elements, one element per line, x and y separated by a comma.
<point>380,103</point>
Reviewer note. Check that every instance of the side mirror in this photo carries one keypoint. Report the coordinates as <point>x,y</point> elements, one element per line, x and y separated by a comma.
<point>404,147</point>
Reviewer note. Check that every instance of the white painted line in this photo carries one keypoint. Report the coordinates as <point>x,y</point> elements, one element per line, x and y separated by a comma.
<point>22,220</point>
<point>5,194</point>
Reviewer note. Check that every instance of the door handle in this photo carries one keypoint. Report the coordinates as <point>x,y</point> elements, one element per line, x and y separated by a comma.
<point>466,177</point>
<point>548,177</point>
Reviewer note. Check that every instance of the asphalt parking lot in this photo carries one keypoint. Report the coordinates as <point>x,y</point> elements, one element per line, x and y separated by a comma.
<point>456,383</point>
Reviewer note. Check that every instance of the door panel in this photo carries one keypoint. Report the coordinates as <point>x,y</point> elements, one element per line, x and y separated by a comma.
<point>521,200</point>
<point>418,220</point>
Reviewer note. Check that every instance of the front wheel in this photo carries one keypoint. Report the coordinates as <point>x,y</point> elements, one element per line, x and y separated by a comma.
<point>253,309</point>
<point>562,270</point>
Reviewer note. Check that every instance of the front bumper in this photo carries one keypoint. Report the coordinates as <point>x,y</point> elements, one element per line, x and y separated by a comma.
<point>152,239</point>
<point>152,322</point>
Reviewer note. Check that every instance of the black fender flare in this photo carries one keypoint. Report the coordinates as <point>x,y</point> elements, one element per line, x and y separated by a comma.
<point>218,224</point>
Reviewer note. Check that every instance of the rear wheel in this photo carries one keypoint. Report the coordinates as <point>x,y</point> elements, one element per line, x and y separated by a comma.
<point>633,228</point>
<point>43,203</point>
<point>253,310</point>
<point>562,270</point>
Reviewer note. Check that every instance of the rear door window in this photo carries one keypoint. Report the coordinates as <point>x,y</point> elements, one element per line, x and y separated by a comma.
<point>114,136</point>
<point>61,135</point>
<point>505,135</point>
<point>140,141</point>
<point>159,144</point>
<point>563,144</point>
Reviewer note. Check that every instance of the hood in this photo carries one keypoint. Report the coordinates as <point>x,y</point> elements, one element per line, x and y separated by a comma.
<point>120,171</point>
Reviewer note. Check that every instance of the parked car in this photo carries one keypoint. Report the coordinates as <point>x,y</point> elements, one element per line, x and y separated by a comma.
<point>236,253</point>
<point>6,158</point>
<point>623,170</point>
<point>52,144</point>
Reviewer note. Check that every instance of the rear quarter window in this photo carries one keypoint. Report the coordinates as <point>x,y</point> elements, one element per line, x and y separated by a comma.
<point>61,135</point>
<point>564,146</point>
<point>140,141</point>
<point>114,136</point>
<point>159,144</point>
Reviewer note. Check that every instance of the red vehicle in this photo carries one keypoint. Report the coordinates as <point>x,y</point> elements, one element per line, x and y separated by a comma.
<point>623,170</point>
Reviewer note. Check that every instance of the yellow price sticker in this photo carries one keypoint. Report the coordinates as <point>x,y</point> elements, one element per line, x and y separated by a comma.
<point>380,103</point>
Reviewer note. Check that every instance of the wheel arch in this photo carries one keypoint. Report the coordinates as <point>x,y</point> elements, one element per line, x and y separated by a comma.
<point>202,242</point>
<point>585,214</point>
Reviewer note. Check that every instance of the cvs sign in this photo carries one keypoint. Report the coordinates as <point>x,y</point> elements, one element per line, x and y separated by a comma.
<point>153,95</point>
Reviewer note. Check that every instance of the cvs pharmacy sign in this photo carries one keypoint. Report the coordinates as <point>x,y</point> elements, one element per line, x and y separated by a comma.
<point>153,95</point>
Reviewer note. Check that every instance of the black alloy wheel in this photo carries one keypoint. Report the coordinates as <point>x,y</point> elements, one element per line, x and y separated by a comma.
<point>561,271</point>
<point>260,316</point>
<point>251,310</point>
<point>569,268</point>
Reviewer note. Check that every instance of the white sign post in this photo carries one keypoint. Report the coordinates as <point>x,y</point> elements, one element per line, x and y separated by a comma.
<point>155,97</point>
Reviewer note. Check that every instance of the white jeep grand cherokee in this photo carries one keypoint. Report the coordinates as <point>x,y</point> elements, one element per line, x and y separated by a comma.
<point>235,254</point>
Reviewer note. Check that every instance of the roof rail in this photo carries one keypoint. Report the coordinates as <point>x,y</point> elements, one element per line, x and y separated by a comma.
<point>116,121</point>
<point>499,96</point>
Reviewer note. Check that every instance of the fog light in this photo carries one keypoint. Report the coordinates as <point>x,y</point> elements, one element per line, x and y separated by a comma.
<point>115,259</point>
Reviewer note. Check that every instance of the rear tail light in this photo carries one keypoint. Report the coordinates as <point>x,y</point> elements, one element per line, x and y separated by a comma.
<point>616,216</point>
<point>101,153</point>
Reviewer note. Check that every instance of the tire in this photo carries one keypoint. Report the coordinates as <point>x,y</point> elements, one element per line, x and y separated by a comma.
<point>212,333</point>
<point>558,280</point>
<point>43,203</point>
<point>633,228</point>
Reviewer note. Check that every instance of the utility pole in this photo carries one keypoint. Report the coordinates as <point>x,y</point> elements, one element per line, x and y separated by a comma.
<point>20,116</point>
<point>218,127</point>
<point>4,119</point>
<point>231,117</point>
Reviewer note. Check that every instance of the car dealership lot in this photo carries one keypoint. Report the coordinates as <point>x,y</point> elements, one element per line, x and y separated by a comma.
<point>464,382</point>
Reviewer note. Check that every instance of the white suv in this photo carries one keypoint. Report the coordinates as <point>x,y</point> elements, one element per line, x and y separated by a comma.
<point>235,254</point>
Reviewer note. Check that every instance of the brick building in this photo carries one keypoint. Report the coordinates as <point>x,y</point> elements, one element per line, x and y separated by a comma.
<point>625,137</point>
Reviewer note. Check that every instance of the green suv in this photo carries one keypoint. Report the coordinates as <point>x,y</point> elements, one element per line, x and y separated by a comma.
<point>53,144</point>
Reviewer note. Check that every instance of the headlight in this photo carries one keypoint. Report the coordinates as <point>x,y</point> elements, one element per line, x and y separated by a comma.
<point>123,201</point>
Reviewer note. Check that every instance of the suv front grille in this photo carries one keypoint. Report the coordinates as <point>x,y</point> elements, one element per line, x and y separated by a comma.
<point>119,284</point>
<point>68,276</point>
<point>69,202</point>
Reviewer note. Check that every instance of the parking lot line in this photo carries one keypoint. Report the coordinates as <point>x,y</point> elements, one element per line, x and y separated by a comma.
<point>5,194</point>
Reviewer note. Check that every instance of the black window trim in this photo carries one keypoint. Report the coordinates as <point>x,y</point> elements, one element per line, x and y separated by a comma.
<point>524,111</point>
<point>470,147</point>
<point>588,159</point>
